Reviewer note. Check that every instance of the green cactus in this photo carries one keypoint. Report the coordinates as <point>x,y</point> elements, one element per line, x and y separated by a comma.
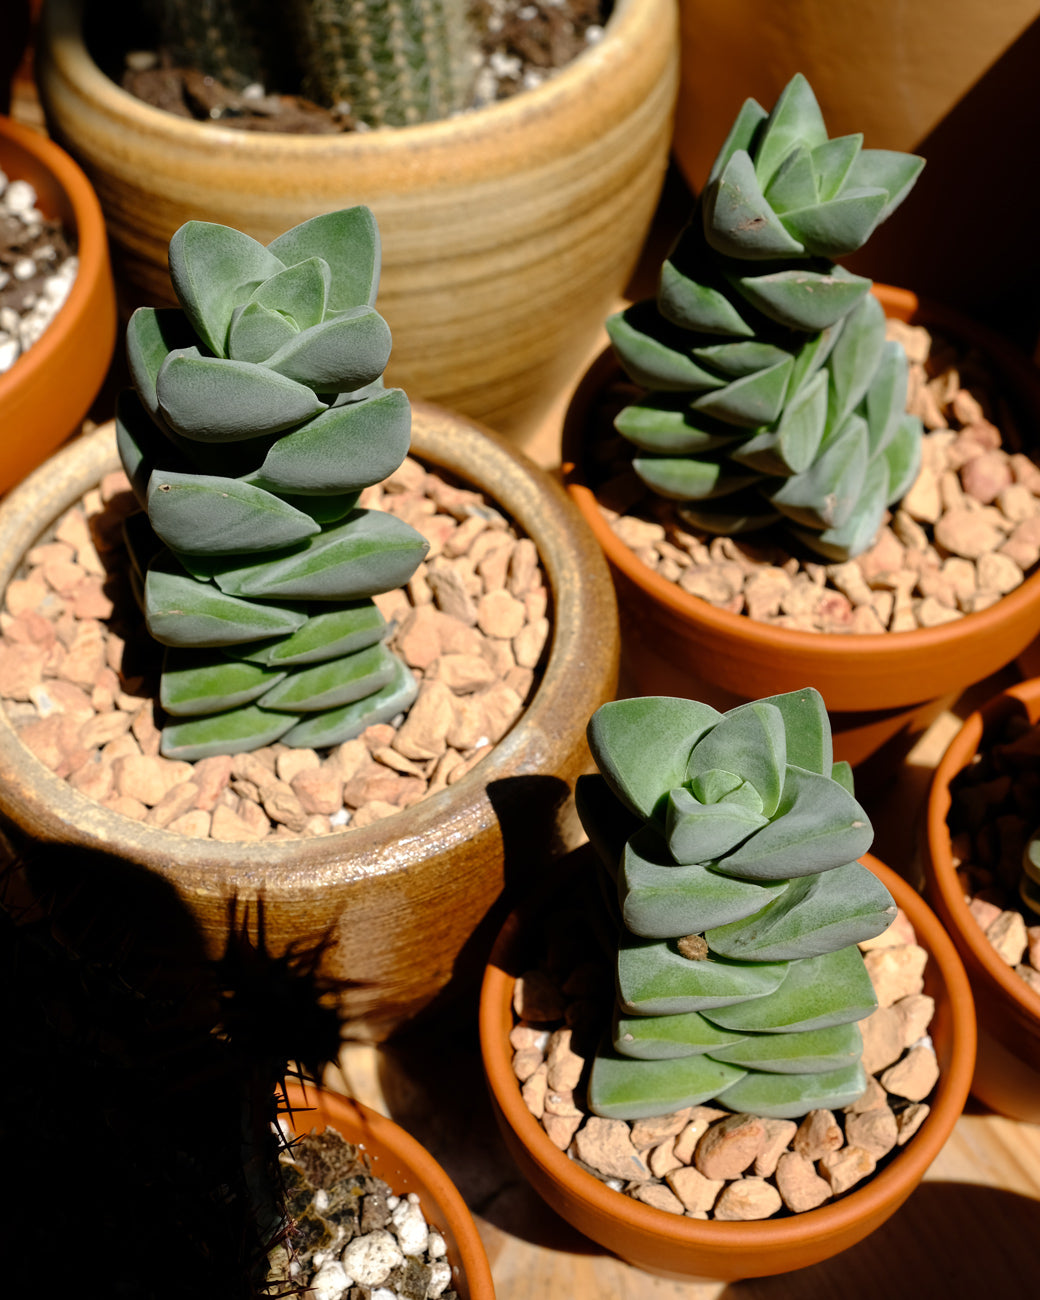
<point>394,62</point>
<point>733,839</point>
<point>257,417</point>
<point>772,394</point>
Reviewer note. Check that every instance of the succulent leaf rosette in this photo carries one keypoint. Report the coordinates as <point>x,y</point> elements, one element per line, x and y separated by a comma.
<point>733,839</point>
<point>257,417</point>
<point>772,395</point>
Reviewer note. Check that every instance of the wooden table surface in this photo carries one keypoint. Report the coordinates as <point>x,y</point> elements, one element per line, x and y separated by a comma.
<point>972,1228</point>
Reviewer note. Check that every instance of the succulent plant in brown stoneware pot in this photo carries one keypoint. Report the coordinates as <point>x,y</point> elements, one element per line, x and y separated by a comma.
<point>980,875</point>
<point>720,999</point>
<point>481,212</point>
<point>257,420</point>
<point>773,513</point>
<point>56,350</point>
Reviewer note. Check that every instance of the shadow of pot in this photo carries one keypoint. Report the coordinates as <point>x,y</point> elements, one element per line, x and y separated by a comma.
<point>1007,1070</point>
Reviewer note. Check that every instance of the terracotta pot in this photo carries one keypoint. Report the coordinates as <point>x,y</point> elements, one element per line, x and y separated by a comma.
<point>508,233</point>
<point>678,1247</point>
<point>1007,1071</point>
<point>878,688</point>
<point>46,393</point>
<point>409,904</point>
<point>406,1167</point>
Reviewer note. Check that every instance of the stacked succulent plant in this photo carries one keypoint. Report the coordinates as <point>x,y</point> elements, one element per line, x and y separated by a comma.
<point>392,62</point>
<point>733,839</point>
<point>772,394</point>
<point>258,415</point>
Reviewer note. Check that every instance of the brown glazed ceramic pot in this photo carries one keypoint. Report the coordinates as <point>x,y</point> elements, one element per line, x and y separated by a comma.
<point>882,689</point>
<point>1007,1071</point>
<point>406,1167</point>
<point>678,1247</point>
<point>508,233</point>
<point>409,905</point>
<point>46,393</point>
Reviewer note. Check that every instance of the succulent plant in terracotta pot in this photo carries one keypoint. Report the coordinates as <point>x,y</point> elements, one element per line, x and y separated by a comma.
<point>761,434</point>
<point>257,418</point>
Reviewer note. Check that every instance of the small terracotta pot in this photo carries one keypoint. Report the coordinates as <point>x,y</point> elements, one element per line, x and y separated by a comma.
<point>406,1167</point>
<point>877,688</point>
<point>678,1247</point>
<point>408,906</point>
<point>507,233</point>
<point>1007,1071</point>
<point>49,389</point>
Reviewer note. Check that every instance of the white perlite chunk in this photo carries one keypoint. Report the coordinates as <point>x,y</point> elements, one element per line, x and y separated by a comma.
<point>370,1259</point>
<point>329,1282</point>
<point>409,1226</point>
<point>440,1278</point>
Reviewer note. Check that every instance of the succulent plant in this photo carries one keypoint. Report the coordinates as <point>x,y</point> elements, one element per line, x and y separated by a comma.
<point>1029,885</point>
<point>772,393</point>
<point>393,62</point>
<point>733,840</point>
<point>257,417</point>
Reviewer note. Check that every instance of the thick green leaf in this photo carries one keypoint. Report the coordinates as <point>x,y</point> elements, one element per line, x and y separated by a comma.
<point>751,401</point>
<point>738,221</point>
<point>832,161</point>
<point>605,819</point>
<point>795,120</point>
<point>742,512</point>
<point>208,515</point>
<point>815,1052</point>
<point>371,552</point>
<point>234,732</point>
<point>320,730</point>
<point>641,747</point>
<point>696,304</point>
<point>743,134</point>
<point>331,684</point>
<point>903,457</point>
<point>887,170</point>
<point>861,527</point>
<point>662,900</point>
<point>180,611</point>
<point>336,355</point>
<point>215,269</point>
<point>814,915</point>
<point>807,730</point>
<point>839,226</point>
<point>141,443</point>
<point>739,358</point>
<point>663,1038</point>
<point>818,825</point>
<point>207,681</point>
<point>794,183</point>
<point>662,423</point>
<point>885,401</point>
<point>300,292</point>
<point>653,978</point>
<point>213,400</point>
<point>338,632</point>
<point>790,446</point>
<point>807,298</point>
<point>833,989</point>
<point>854,359</point>
<point>704,832</point>
<point>749,741</point>
<point>621,1088</point>
<point>151,335</point>
<point>789,1096</point>
<point>256,332</point>
<point>342,450</point>
<point>826,494</point>
<point>648,360</point>
<point>688,478</point>
<point>348,240</point>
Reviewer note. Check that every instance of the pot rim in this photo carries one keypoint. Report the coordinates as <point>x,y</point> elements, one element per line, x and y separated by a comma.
<point>579,587</point>
<point>883,1193</point>
<point>940,872</point>
<point>884,646</point>
<point>91,249</point>
<point>605,61</point>
<point>453,1216</point>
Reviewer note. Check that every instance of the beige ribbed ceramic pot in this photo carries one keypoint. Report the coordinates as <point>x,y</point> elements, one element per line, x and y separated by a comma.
<point>406,907</point>
<point>508,233</point>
